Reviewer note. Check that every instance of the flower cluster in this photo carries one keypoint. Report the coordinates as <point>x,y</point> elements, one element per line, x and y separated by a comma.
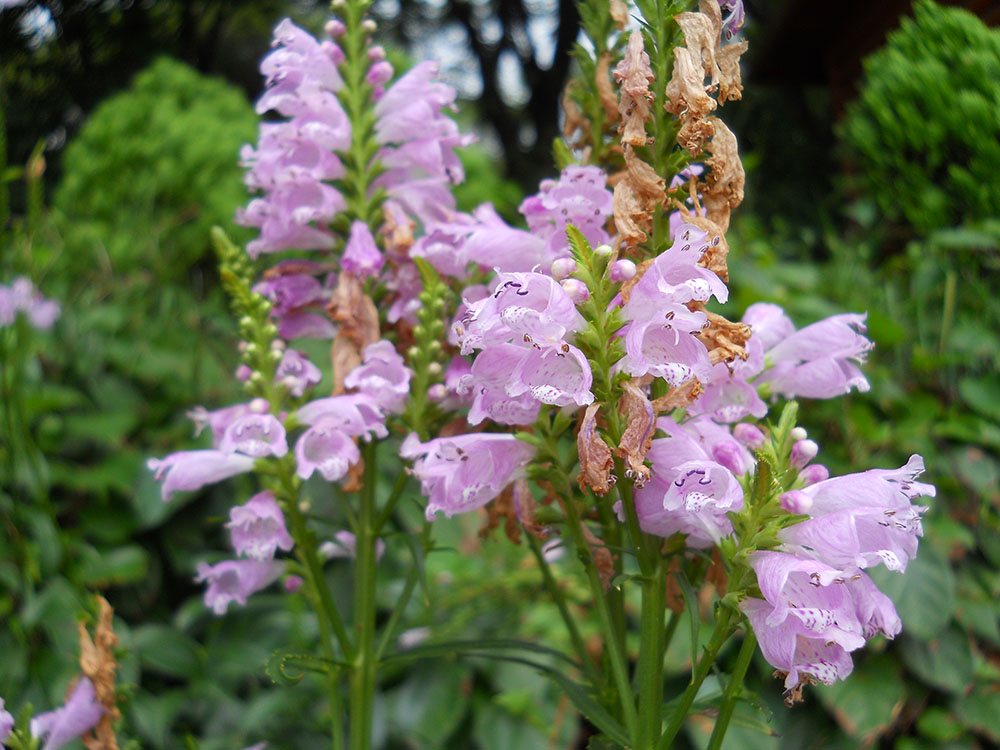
<point>55,729</point>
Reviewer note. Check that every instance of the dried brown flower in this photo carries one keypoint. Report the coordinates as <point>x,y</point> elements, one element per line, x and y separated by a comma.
<point>358,318</point>
<point>619,14</point>
<point>98,664</point>
<point>725,340</point>
<point>634,75</point>
<point>604,561</point>
<point>596,461</point>
<point>628,211</point>
<point>639,429</point>
<point>679,397</point>
<point>724,183</point>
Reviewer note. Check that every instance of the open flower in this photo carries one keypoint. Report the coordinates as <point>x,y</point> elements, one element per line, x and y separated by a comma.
<point>258,527</point>
<point>235,580</point>
<point>462,473</point>
<point>79,714</point>
<point>192,470</point>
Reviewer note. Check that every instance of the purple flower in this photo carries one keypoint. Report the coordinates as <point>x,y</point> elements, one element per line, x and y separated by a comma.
<point>659,338</point>
<point>814,473</point>
<point>813,615</point>
<point>354,414</point>
<point>218,421</point>
<point>462,473</point>
<point>578,197</point>
<point>820,361</point>
<point>382,376</point>
<point>733,21</point>
<point>750,435</point>
<point>345,545</point>
<point>689,492</point>
<point>21,296</point>
<point>6,723</point>
<point>291,291</point>
<point>361,256</point>
<point>297,373</point>
<point>863,519</point>
<point>325,448</point>
<point>79,714</point>
<point>192,470</point>
<point>235,580</point>
<point>258,527</point>
<point>256,435</point>
<point>728,397</point>
<point>803,451</point>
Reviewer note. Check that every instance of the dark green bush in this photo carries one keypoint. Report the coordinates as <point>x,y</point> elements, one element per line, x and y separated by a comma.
<point>153,169</point>
<point>925,129</point>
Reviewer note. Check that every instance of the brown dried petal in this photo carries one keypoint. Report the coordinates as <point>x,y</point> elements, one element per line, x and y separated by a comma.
<point>355,479</point>
<point>693,134</point>
<point>98,664</point>
<point>628,210</point>
<point>726,178</point>
<point>675,595</point>
<point>686,95</point>
<point>604,89</point>
<point>725,340</point>
<point>679,397</point>
<point>729,81</point>
<point>619,14</point>
<point>648,186</point>
<point>639,429</point>
<point>524,510</point>
<point>397,232</point>
<point>596,461</point>
<point>634,75</point>
<point>358,319</point>
<point>701,34</point>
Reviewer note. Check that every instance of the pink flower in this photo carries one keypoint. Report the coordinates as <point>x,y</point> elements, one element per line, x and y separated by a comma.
<point>325,448</point>
<point>258,527</point>
<point>79,714</point>
<point>256,435</point>
<point>578,197</point>
<point>235,580</point>
<point>192,470</point>
<point>462,473</point>
<point>382,376</point>
<point>354,414</point>
<point>362,256</point>
<point>296,372</point>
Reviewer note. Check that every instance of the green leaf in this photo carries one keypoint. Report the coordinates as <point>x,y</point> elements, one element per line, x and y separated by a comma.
<point>495,729</point>
<point>430,704</point>
<point>153,715</point>
<point>116,567</point>
<point>944,662</point>
<point>288,668</point>
<point>167,651</point>
<point>979,710</point>
<point>867,703</point>
<point>924,595</point>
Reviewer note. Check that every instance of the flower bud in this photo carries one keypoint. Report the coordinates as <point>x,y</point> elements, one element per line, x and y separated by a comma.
<point>563,267</point>
<point>379,73</point>
<point>803,452</point>
<point>277,345</point>
<point>243,373</point>
<point>576,290</point>
<point>750,435</point>
<point>260,406</point>
<point>335,27</point>
<point>603,251</point>
<point>369,25</point>
<point>621,270</point>
<point>814,473</point>
<point>796,501</point>
<point>798,433</point>
<point>376,52</point>
<point>437,392</point>
<point>728,453</point>
<point>293,584</point>
<point>434,368</point>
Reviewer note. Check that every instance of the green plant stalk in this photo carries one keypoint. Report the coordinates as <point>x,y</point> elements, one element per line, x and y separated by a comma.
<point>733,690</point>
<point>616,656</point>
<point>559,598</point>
<point>652,645</point>
<point>4,189</point>
<point>362,678</point>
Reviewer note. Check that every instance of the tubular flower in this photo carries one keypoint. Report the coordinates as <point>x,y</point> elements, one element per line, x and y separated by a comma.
<point>579,197</point>
<point>382,376</point>
<point>659,337</point>
<point>522,330</point>
<point>192,470</point>
<point>689,492</point>
<point>813,615</point>
<point>863,519</point>
<point>462,473</point>
<point>819,361</point>
<point>81,713</point>
<point>21,296</point>
<point>258,527</point>
<point>235,580</point>
<point>256,435</point>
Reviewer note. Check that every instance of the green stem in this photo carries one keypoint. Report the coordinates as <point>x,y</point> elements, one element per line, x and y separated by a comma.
<point>652,645</point>
<point>560,599</point>
<point>719,636</point>
<point>397,613</point>
<point>616,655</point>
<point>733,690</point>
<point>362,680</point>
<point>390,504</point>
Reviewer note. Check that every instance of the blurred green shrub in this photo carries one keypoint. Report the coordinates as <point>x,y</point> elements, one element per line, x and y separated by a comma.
<point>925,129</point>
<point>153,169</point>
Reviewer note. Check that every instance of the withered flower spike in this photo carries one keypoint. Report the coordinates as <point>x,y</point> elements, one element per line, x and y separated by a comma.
<point>596,461</point>
<point>634,75</point>
<point>638,435</point>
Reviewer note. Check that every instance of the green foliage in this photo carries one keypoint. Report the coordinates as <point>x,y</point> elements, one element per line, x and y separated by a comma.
<point>925,129</point>
<point>153,169</point>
